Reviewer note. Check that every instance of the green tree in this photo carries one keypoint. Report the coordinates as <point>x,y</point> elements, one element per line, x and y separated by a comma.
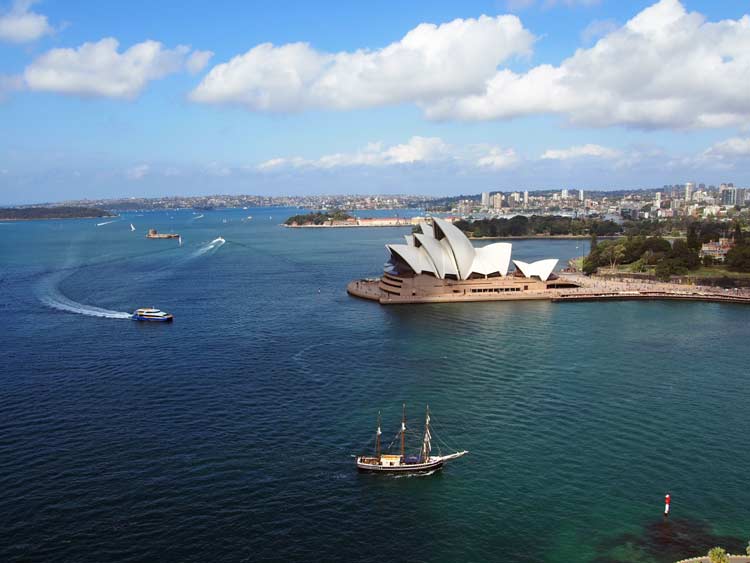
<point>693,241</point>
<point>594,242</point>
<point>738,237</point>
<point>718,555</point>
<point>738,258</point>
<point>612,253</point>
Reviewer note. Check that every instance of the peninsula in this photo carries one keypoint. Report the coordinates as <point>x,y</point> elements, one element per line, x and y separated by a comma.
<point>337,219</point>
<point>61,212</point>
<point>440,265</point>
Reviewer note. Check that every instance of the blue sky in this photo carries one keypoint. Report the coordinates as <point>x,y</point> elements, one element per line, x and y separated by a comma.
<point>148,99</point>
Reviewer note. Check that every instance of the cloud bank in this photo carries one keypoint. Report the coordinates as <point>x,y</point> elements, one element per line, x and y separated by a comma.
<point>99,69</point>
<point>21,25</point>
<point>429,63</point>
<point>665,68</point>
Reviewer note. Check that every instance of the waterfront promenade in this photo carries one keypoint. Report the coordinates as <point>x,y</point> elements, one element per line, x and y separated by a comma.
<point>590,289</point>
<point>705,559</point>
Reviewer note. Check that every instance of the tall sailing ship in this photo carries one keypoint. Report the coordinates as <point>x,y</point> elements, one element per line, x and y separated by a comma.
<point>402,463</point>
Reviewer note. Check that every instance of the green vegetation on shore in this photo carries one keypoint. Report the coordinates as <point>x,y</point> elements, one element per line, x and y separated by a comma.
<point>521,226</point>
<point>655,255</point>
<point>318,218</point>
<point>62,212</point>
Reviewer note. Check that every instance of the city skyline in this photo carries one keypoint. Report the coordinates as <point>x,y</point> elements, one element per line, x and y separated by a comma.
<point>425,99</point>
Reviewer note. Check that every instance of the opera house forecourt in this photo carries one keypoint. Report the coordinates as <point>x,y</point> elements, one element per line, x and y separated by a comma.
<point>439,264</point>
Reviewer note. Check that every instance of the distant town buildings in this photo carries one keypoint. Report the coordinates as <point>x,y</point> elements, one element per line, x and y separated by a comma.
<point>716,250</point>
<point>670,201</point>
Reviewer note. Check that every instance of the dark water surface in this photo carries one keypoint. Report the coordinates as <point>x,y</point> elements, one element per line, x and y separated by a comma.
<point>229,435</point>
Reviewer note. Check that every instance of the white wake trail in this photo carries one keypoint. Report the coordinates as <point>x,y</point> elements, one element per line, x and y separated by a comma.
<point>213,245</point>
<point>50,295</point>
<point>106,223</point>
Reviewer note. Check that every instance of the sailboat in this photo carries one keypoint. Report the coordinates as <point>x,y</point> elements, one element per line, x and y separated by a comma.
<point>402,463</point>
<point>132,228</point>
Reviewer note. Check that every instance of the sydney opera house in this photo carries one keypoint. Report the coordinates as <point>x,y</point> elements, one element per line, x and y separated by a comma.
<point>439,264</point>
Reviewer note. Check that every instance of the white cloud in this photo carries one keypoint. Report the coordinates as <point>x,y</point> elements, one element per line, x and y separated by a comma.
<point>98,69</point>
<point>138,172</point>
<point>581,151</point>
<point>597,29</point>
<point>418,150</point>
<point>664,68</point>
<point>731,148</point>
<point>21,25</point>
<point>430,62</point>
<point>198,60</point>
<point>499,159</point>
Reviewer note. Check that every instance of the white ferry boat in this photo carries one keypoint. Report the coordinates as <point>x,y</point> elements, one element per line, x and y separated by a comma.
<point>153,315</point>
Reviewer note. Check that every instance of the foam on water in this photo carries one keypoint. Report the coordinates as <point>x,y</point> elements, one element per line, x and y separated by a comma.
<point>106,223</point>
<point>50,295</point>
<point>213,245</point>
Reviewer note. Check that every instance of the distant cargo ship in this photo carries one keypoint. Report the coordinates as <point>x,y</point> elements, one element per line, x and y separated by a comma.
<point>152,315</point>
<point>152,233</point>
<point>402,463</point>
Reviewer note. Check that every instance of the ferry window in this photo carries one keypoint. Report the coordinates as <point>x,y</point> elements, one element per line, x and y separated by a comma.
<point>525,287</point>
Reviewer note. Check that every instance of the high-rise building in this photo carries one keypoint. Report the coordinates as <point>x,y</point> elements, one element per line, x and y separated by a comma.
<point>580,195</point>
<point>497,201</point>
<point>526,198</point>
<point>564,194</point>
<point>729,196</point>
<point>485,199</point>
<point>689,187</point>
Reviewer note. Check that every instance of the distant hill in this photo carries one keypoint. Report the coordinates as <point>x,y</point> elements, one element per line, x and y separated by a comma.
<point>30,213</point>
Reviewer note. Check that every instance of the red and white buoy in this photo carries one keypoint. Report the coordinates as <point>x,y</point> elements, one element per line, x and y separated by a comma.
<point>666,505</point>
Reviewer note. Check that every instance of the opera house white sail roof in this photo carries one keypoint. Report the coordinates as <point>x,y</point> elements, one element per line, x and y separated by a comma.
<point>442,250</point>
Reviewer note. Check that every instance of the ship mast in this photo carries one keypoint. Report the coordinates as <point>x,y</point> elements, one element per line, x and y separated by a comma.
<point>377,440</point>
<point>403,434</point>
<point>426,442</point>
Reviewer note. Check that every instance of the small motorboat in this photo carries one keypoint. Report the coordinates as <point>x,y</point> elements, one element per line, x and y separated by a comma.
<point>152,315</point>
<point>423,462</point>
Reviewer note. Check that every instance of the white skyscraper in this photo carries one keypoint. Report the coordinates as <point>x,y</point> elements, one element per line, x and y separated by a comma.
<point>485,199</point>
<point>497,201</point>
<point>564,194</point>
<point>526,197</point>
<point>689,187</point>
<point>580,195</point>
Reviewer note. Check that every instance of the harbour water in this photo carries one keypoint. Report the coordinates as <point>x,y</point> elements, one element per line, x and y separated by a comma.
<point>229,435</point>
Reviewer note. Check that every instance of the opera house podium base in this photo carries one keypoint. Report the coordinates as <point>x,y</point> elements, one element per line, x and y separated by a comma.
<point>393,289</point>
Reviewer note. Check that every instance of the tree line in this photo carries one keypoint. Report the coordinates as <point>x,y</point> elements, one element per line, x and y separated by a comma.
<point>644,253</point>
<point>61,212</point>
<point>318,217</point>
<point>520,225</point>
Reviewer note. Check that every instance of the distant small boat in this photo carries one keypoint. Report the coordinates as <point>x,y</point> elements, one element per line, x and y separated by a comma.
<point>152,315</point>
<point>249,217</point>
<point>132,228</point>
<point>402,463</point>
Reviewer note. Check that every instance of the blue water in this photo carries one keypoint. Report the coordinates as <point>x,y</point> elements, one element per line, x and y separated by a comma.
<point>229,434</point>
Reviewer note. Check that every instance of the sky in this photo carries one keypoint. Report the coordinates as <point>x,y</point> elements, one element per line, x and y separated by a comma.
<point>144,99</point>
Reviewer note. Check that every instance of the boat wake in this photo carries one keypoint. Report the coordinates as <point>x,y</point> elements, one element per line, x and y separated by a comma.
<point>211,246</point>
<point>106,223</point>
<point>50,295</point>
<point>409,475</point>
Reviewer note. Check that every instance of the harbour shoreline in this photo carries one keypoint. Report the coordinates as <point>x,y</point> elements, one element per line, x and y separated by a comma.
<point>591,289</point>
